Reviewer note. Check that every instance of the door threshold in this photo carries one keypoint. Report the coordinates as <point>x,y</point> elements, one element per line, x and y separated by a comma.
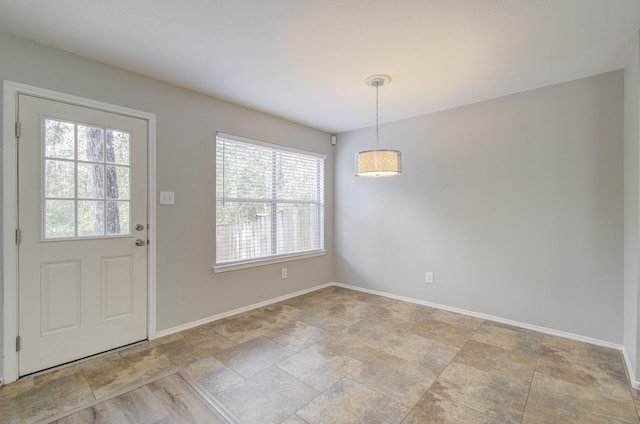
<point>81,360</point>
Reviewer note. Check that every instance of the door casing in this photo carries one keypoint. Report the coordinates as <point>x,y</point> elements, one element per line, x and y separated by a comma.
<point>10,212</point>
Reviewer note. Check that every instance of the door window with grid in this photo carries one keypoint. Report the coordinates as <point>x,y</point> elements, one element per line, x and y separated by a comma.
<point>269,201</point>
<point>86,180</point>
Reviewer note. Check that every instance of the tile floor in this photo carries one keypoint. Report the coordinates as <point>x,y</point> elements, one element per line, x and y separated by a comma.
<point>342,356</point>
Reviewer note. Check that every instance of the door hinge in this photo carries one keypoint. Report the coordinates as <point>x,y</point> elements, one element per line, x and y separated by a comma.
<point>18,343</point>
<point>18,129</point>
<point>18,236</point>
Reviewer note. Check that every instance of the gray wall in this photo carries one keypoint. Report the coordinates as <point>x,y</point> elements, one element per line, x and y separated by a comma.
<point>515,204</point>
<point>186,126</point>
<point>631,204</point>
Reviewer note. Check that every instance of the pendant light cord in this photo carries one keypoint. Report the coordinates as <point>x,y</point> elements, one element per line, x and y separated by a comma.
<point>377,126</point>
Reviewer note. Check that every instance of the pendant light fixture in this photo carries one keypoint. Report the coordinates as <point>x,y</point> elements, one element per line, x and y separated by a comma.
<point>378,163</point>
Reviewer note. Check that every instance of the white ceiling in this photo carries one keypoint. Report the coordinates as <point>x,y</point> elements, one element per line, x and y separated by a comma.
<point>307,60</point>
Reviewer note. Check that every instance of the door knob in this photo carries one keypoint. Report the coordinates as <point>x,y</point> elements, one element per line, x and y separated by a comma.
<point>140,242</point>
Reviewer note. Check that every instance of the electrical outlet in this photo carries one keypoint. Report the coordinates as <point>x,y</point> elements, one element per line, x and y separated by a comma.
<point>284,273</point>
<point>428,277</point>
<point>166,198</point>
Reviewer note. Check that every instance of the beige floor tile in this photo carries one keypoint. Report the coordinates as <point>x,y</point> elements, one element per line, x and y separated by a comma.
<point>253,356</point>
<point>75,367</point>
<point>294,419</point>
<point>296,335</point>
<point>275,314</point>
<point>194,346</point>
<point>509,337</point>
<point>382,323</point>
<point>532,416</point>
<point>351,342</point>
<point>495,360</point>
<point>335,294</point>
<point>267,397</point>
<point>213,374</point>
<point>318,366</point>
<point>312,303</point>
<point>374,299</point>
<point>354,310</point>
<point>459,320</point>
<point>329,323</point>
<point>394,377</point>
<point>113,376</point>
<point>150,344</point>
<point>442,332</point>
<point>435,409</point>
<point>25,402</point>
<point>423,352</point>
<point>576,403</point>
<point>496,397</point>
<point>590,366</point>
<point>409,312</point>
<point>243,328</point>
<point>349,402</point>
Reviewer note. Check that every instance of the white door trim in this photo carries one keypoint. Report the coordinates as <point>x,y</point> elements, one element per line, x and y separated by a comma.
<point>10,91</point>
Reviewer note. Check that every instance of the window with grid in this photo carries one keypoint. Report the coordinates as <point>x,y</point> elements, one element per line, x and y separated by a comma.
<point>269,201</point>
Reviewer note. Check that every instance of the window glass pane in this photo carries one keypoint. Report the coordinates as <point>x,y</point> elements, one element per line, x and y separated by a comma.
<point>243,230</point>
<point>90,144</point>
<point>118,218</point>
<point>298,227</point>
<point>118,182</point>
<point>245,170</point>
<point>90,181</point>
<point>59,179</point>
<point>90,218</point>
<point>297,177</point>
<point>60,218</point>
<point>59,139</point>
<point>118,147</point>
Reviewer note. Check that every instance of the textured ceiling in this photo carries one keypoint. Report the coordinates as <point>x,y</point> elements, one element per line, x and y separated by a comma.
<point>307,60</point>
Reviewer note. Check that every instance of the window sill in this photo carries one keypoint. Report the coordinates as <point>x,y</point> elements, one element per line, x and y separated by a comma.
<point>267,261</point>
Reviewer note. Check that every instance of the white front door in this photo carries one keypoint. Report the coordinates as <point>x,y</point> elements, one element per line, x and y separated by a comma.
<point>82,214</point>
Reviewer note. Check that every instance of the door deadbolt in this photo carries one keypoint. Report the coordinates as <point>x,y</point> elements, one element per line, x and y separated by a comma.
<point>139,227</point>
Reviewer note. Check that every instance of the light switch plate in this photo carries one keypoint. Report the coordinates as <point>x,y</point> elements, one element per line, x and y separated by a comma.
<point>166,198</point>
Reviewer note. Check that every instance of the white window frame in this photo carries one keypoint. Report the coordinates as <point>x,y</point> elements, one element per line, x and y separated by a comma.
<point>246,263</point>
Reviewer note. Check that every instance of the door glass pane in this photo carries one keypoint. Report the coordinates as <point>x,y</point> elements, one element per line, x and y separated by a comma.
<point>59,180</point>
<point>118,218</point>
<point>59,139</point>
<point>60,218</point>
<point>118,182</point>
<point>118,146</point>
<point>90,218</point>
<point>90,144</point>
<point>75,168</point>
<point>90,181</point>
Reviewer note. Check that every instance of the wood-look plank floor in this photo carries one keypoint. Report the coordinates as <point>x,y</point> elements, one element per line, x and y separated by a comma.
<point>168,400</point>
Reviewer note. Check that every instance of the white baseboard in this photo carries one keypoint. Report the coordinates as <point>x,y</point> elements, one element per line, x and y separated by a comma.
<point>634,383</point>
<point>227,314</point>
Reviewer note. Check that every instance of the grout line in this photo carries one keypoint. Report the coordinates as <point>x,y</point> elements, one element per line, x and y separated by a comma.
<point>533,377</point>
